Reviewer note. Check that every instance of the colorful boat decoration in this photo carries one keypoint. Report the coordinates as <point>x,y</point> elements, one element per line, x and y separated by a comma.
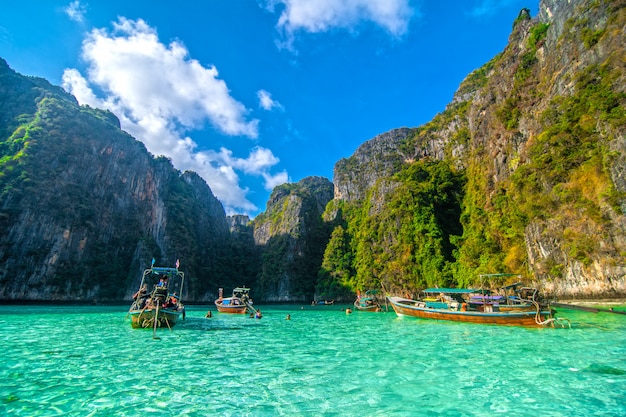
<point>239,303</point>
<point>455,304</point>
<point>367,301</point>
<point>157,303</point>
<point>513,297</point>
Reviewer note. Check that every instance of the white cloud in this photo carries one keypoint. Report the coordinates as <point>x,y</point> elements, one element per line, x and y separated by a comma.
<point>258,162</point>
<point>76,11</point>
<point>322,15</point>
<point>159,95</point>
<point>272,181</point>
<point>266,102</point>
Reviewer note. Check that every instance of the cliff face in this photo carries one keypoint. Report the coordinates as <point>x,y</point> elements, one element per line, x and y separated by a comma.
<point>553,109</point>
<point>292,236</point>
<point>538,133</point>
<point>84,207</point>
<point>524,172</point>
<point>377,158</point>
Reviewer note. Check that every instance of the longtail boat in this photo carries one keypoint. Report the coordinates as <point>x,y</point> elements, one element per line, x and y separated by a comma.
<point>454,304</point>
<point>157,302</point>
<point>367,301</point>
<point>239,303</point>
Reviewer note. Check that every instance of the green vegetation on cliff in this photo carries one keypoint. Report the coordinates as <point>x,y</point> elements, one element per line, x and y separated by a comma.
<point>401,238</point>
<point>522,160</point>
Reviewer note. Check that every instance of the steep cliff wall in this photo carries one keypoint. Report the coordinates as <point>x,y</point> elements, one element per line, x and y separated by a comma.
<point>538,133</point>
<point>84,207</point>
<point>292,237</point>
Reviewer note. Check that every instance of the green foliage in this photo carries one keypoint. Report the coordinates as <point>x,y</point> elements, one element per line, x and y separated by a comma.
<point>510,112</point>
<point>537,35</point>
<point>591,37</point>
<point>335,275</point>
<point>529,58</point>
<point>407,241</point>
<point>479,77</point>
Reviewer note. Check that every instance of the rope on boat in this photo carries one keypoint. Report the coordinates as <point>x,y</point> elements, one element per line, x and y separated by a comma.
<point>561,321</point>
<point>167,322</point>
<point>156,318</point>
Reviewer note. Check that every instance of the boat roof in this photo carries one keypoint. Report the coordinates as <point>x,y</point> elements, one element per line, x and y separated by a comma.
<point>164,270</point>
<point>451,290</point>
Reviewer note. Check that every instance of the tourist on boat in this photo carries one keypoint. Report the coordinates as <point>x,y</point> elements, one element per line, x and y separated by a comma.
<point>162,281</point>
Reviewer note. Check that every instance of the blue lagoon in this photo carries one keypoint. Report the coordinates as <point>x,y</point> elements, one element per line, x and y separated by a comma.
<point>88,361</point>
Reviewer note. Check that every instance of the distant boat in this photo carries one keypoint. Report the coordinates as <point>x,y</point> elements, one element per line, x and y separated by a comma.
<point>157,302</point>
<point>322,302</point>
<point>452,304</point>
<point>239,303</point>
<point>367,301</point>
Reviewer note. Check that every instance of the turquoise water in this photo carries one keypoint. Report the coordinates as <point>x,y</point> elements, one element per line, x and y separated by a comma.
<point>87,361</point>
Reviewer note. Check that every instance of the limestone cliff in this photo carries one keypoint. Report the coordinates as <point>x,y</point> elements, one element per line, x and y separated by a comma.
<point>538,133</point>
<point>292,237</point>
<point>84,207</point>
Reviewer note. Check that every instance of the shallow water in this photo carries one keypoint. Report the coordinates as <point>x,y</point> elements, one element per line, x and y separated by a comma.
<point>87,361</point>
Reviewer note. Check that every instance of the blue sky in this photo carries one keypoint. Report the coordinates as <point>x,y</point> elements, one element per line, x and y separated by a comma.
<point>254,93</point>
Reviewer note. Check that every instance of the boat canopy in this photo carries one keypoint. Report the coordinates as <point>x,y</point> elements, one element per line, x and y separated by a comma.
<point>164,271</point>
<point>451,290</point>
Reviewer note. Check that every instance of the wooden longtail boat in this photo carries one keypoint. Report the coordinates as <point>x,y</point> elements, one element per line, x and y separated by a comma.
<point>239,303</point>
<point>451,304</point>
<point>161,306</point>
<point>367,301</point>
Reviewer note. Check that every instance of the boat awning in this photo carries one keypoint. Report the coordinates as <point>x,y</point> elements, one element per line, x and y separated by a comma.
<point>451,290</point>
<point>163,270</point>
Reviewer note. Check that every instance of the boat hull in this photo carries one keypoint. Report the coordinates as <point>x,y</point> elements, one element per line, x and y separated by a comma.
<point>145,318</point>
<point>239,303</point>
<point>374,308</point>
<point>412,308</point>
<point>231,309</point>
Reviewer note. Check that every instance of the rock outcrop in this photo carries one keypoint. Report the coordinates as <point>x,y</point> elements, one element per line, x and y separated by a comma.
<point>292,237</point>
